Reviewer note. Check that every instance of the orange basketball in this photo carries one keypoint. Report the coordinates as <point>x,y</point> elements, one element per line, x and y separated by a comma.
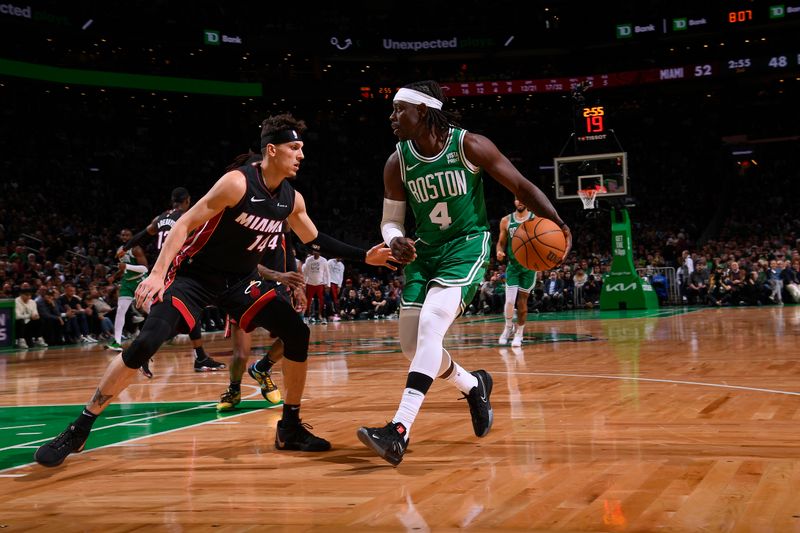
<point>538,244</point>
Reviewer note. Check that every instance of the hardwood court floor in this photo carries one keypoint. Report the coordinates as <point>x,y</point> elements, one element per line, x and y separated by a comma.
<point>672,422</point>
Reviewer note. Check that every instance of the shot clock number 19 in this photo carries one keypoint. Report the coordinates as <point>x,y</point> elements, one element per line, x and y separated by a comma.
<point>594,119</point>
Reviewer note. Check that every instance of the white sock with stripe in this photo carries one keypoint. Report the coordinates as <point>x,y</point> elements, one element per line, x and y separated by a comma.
<point>463,380</point>
<point>409,408</point>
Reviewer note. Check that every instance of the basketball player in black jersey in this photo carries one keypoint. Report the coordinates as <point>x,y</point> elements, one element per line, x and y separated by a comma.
<point>278,264</point>
<point>216,264</point>
<point>159,228</point>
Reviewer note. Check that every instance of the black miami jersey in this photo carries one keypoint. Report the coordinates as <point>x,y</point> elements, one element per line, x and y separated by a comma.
<point>164,224</point>
<point>280,255</point>
<point>233,242</point>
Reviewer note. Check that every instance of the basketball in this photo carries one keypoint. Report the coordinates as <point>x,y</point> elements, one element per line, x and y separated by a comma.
<point>538,244</point>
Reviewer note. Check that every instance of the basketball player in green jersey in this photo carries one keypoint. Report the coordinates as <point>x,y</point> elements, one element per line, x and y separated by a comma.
<point>133,269</point>
<point>437,168</point>
<point>519,280</point>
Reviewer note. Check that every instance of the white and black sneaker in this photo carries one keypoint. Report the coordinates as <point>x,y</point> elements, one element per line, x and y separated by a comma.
<point>507,332</point>
<point>479,406</point>
<point>208,365</point>
<point>389,441</point>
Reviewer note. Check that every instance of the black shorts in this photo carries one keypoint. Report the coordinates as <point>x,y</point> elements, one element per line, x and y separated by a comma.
<point>250,302</point>
<point>283,294</point>
<point>241,299</point>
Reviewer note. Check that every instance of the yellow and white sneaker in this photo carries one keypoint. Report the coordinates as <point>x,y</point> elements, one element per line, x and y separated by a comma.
<point>269,390</point>
<point>229,400</point>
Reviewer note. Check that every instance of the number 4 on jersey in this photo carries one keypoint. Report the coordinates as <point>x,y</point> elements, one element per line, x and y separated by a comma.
<point>440,217</point>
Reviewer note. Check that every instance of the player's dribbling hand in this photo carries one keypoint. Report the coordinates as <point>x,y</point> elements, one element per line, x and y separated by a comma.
<point>568,237</point>
<point>404,250</point>
<point>380,255</point>
<point>151,288</point>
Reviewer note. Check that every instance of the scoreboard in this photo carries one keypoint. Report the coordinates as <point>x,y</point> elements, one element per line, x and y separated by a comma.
<point>787,61</point>
<point>781,62</point>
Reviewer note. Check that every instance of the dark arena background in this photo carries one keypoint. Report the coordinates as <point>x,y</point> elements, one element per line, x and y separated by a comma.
<point>656,386</point>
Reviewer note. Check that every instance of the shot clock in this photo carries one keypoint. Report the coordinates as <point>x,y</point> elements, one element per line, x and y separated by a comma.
<point>591,123</point>
<point>594,119</point>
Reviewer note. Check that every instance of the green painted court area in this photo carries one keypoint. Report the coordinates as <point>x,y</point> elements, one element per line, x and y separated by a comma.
<point>23,429</point>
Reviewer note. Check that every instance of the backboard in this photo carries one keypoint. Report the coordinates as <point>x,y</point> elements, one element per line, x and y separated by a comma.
<point>608,173</point>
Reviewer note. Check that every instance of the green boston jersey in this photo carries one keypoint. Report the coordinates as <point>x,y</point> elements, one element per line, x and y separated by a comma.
<point>513,224</point>
<point>131,275</point>
<point>445,191</point>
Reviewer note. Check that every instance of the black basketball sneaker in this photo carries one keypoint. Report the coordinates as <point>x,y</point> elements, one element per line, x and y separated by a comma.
<point>208,365</point>
<point>54,452</point>
<point>299,438</point>
<point>389,441</point>
<point>479,406</point>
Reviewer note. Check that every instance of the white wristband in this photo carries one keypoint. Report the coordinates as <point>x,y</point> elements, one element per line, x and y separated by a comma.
<point>389,232</point>
<point>141,269</point>
<point>394,216</point>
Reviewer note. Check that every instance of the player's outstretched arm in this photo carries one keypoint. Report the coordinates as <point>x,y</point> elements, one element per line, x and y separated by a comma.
<point>482,152</point>
<point>316,240</point>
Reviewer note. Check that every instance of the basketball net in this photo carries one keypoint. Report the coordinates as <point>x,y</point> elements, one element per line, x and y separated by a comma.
<point>588,196</point>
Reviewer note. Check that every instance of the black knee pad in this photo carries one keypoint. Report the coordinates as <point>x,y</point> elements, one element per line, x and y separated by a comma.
<point>282,321</point>
<point>155,332</point>
<point>295,342</point>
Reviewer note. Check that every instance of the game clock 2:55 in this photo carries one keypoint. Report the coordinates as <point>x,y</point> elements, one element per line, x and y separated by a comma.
<point>739,63</point>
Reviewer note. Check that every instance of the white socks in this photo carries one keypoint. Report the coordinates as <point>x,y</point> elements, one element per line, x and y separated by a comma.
<point>518,335</point>
<point>463,380</point>
<point>409,408</point>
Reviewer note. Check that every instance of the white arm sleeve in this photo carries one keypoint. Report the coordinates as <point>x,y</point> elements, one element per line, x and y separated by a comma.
<point>136,268</point>
<point>394,217</point>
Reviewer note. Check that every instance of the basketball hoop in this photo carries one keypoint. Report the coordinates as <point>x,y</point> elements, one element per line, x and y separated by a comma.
<point>587,197</point>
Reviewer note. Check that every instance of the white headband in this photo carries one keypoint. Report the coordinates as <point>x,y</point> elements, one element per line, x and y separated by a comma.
<point>417,97</point>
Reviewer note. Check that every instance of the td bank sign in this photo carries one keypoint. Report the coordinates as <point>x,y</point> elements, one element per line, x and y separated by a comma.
<point>215,38</point>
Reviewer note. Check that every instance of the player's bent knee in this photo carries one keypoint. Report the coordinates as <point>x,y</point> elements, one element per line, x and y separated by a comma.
<point>295,343</point>
<point>435,319</point>
<point>281,320</point>
<point>156,330</point>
